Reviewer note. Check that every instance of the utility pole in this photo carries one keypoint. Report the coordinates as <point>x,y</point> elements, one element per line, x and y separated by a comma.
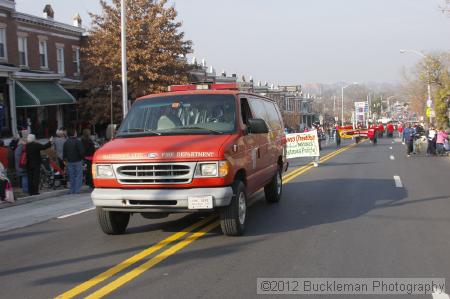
<point>342,107</point>
<point>112,118</point>
<point>334,105</point>
<point>123,24</point>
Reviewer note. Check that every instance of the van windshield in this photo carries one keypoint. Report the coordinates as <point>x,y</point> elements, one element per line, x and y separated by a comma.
<point>181,115</point>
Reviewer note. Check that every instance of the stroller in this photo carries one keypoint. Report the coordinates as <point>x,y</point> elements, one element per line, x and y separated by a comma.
<point>52,176</point>
<point>6,190</point>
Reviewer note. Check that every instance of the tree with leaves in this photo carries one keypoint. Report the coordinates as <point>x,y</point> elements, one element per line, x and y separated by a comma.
<point>156,48</point>
<point>433,69</point>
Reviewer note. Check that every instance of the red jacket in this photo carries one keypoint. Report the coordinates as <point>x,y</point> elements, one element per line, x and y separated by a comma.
<point>371,132</point>
<point>390,128</point>
<point>4,156</point>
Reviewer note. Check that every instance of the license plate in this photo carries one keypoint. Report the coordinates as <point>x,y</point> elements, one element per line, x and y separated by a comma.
<point>200,202</point>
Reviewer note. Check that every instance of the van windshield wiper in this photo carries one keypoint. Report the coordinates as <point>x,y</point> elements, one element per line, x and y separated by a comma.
<point>200,128</point>
<point>139,130</point>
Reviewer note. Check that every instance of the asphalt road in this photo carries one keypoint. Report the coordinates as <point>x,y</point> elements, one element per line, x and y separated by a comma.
<point>346,218</point>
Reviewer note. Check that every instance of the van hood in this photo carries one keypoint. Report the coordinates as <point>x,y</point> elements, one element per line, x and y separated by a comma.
<point>162,148</point>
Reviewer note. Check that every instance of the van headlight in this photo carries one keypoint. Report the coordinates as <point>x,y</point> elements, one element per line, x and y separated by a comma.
<point>212,169</point>
<point>103,171</point>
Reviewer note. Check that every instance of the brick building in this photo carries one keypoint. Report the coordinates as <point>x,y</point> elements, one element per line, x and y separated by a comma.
<point>39,70</point>
<point>296,109</point>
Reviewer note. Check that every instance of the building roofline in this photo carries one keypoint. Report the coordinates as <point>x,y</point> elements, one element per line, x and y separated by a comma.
<point>35,76</point>
<point>27,18</point>
<point>8,4</point>
<point>7,68</point>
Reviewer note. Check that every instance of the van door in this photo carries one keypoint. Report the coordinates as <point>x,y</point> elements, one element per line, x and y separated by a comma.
<point>266,170</point>
<point>277,141</point>
<point>249,145</point>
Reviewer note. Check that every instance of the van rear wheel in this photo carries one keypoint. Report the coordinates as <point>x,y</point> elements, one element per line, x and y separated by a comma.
<point>112,223</point>
<point>233,217</point>
<point>274,188</point>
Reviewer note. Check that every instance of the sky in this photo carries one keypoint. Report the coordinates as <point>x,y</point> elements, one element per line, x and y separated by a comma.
<point>299,41</point>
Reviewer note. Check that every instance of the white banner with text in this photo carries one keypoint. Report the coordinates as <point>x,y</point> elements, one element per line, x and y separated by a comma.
<point>302,145</point>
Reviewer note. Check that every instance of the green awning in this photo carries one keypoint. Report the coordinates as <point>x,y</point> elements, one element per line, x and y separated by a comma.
<point>41,93</point>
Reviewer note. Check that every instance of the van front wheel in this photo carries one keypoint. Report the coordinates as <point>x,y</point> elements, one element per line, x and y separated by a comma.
<point>112,223</point>
<point>274,188</point>
<point>232,217</point>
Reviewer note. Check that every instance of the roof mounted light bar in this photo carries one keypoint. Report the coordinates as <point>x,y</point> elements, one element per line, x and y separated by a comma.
<point>218,86</point>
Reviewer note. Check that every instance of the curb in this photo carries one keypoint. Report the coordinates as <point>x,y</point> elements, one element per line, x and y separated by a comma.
<point>33,198</point>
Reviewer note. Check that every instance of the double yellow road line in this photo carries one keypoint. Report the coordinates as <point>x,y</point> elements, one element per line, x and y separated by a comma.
<point>186,237</point>
<point>292,175</point>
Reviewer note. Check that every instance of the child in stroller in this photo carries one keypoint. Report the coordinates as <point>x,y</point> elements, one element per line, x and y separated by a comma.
<point>52,176</point>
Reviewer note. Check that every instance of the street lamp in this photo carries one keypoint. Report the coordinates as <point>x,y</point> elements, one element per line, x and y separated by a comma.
<point>123,23</point>
<point>342,104</point>
<point>429,101</point>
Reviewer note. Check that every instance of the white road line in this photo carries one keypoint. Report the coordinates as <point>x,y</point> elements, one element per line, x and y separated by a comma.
<point>398,181</point>
<point>392,157</point>
<point>438,294</point>
<point>76,213</point>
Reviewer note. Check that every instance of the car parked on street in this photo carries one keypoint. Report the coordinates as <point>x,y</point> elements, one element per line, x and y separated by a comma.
<point>197,148</point>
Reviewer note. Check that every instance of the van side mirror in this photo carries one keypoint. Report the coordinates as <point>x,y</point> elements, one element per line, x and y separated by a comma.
<point>257,126</point>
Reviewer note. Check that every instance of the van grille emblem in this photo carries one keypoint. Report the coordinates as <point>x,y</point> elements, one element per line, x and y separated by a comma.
<point>152,155</point>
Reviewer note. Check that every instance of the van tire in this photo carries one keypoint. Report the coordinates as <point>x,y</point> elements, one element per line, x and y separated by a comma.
<point>274,189</point>
<point>112,223</point>
<point>230,221</point>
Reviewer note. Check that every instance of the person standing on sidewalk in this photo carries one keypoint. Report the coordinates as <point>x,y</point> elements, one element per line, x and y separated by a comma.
<point>89,149</point>
<point>21,170</point>
<point>4,154</point>
<point>58,145</point>
<point>408,134</point>
<point>33,154</point>
<point>440,140</point>
<point>73,154</point>
<point>431,137</point>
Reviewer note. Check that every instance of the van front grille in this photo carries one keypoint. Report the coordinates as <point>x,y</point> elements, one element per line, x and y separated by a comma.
<point>155,173</point>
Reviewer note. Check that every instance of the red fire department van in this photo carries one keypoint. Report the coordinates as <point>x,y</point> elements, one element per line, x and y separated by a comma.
<point>196,148</point>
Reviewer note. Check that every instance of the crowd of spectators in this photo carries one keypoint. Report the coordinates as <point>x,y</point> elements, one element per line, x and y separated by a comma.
<point>22,160</point>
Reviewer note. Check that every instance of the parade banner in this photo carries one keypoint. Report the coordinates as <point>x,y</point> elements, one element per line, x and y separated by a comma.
<point>346,133</point>
<point>302,145</point>
<point>352,133</point>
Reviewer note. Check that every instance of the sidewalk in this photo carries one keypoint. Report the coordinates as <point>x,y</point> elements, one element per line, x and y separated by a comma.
<point>44,209</point>
<point>44,195</point>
